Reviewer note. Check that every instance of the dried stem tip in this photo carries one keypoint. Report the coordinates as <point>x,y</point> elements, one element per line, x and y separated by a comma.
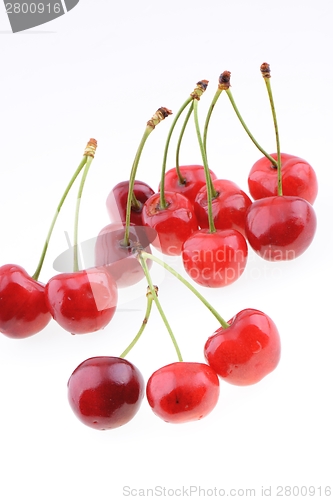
<point>160,114</point>
<point>265,70</point>
<point>149,291</point>
<point>224,80</point>
<point>199,89</point>
<point>90,148</point>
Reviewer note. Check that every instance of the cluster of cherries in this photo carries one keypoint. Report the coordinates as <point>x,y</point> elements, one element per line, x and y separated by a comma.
<point>208,222</point>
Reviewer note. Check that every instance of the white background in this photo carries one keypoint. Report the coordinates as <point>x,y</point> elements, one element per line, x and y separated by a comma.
<point>101,71</point>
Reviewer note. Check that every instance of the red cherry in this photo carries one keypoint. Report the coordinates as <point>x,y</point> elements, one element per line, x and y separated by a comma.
<point>246,351</point>
<point>298,178</point>
<point>183,392</point>
<point>82,302</point>
<point>229,206</point>
<point>173,224</point>
<point>116,201</point>
<point>280,227</point>
<point>194,180</point>
<point>119,261</point>
<point>215,259</point>
<point>23,309</point>
<point>105,392</point>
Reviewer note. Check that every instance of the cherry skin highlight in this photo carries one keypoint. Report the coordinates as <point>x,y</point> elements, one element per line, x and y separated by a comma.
<point>119,261</point>
<point>246,351</point>
<point>298,178</point>
<point>280,227</point>
<point>105,392</point>
<point>183,392</point>
<point>229,206</point>
<point>82,302</point>
<point>23,308</point>
<point>173,224</point>
<point>215,259</point>
<point>194,177</point>
<point>116,202</point>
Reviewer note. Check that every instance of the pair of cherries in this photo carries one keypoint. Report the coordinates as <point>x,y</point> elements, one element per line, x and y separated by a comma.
<point>281,227</point>
<point>80,302</point>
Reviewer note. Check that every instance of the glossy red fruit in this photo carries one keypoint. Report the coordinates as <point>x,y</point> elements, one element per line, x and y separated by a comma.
<point>298,178</point>
<point>116,202</point>
<point>215,259</point>
<point>246,351</point>
<point>280,227</point>
<point>183,391</point>
<point>229,206</point>
<point>173,224</point>
<point>119,261</point>
<point>23,309</point>
<point>105,392</point>
<point>82,302</point>
<point>194,177</point>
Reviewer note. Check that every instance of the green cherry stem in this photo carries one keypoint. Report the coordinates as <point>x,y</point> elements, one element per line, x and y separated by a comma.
<point>61,202</point>
<point>150,300</point>
<point>90,154</point>
<point>266,73</point>
<point>145,255</point>
<point>160,115</point>
<point>224,84</point>
<point>211,193</point>
<point>196,94</point>
<point>163,203</point>
<point>180,177</point>
<point>142,256</point>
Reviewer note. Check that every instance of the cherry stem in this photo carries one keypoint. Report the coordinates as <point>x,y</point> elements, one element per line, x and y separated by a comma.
<point>219,318</point>
<point>268,156</point>
<point>144,323</point>
<point>181,179</point>
<point>37,272</point>
<point>266,73</point>
<point>131,196</point>
<point>160,115</point>
<point>163,203</point>
<point>90,154</point>
<point>224,84</point>
<point>211,192</point>
<point>142,258</point>
<point>196,94</point>
<point>209,114</point>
